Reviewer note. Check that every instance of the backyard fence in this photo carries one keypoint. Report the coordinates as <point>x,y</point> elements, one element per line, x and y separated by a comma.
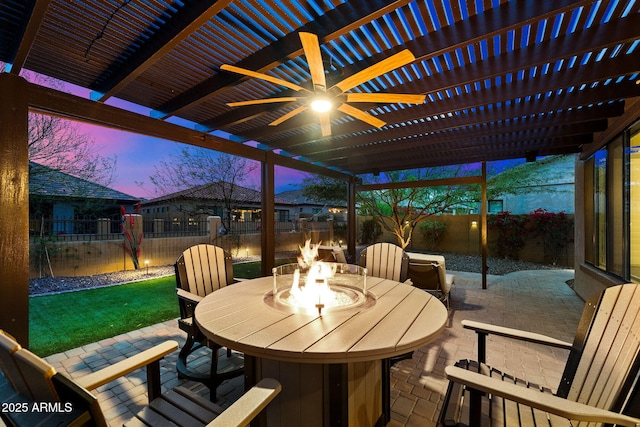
<point>87,230</point>
<point>84,247</point>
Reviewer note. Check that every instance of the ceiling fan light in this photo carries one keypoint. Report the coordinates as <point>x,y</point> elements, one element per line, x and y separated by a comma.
<point>321,105</point>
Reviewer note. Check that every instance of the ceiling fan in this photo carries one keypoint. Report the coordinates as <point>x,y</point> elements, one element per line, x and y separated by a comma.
<point>321,99</point>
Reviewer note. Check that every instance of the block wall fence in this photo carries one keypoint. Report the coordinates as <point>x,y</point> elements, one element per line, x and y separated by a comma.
<point>78,258</point>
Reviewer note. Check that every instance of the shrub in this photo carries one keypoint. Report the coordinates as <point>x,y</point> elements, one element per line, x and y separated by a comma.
<point>432,232</point>
<point>340,231</point>
<point>370,230</point>
<point>555,229</point>
<point>511,231</point>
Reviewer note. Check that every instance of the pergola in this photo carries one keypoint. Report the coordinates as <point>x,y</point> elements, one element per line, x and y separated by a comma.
<point>502,79</point>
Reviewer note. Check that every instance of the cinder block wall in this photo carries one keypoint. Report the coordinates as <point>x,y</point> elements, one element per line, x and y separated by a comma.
<point>95,257</point>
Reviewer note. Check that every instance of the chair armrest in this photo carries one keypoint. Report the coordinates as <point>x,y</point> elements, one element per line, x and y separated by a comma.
<point>536,399</point>
<point>250,404</point>
<point>124,367</point>
<point>188,296</point>
<point>485,328</point>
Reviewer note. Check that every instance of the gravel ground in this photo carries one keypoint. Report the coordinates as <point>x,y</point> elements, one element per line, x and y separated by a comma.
<point>497,266</point>
<point>455,262</point>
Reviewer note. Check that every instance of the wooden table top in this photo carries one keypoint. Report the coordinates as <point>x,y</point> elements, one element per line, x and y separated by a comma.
<point>403,319</point>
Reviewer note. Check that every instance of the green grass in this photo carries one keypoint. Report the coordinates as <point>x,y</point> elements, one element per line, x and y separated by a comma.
<point>61,322</point>
<point>73,319</point>
<point>251,270</point>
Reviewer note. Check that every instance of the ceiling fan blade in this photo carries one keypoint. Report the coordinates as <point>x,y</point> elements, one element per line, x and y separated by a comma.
<point>391,63</point>
<point>325,124</point>
<point>262,76</point>
<point>388,98</point>
<point>290,114</point>
<point>361,115</point>
<point>262,101</point>
<point>311,48</point>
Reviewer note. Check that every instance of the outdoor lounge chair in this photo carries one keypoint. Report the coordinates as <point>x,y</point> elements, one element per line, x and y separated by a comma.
<point>599,383</point>
<point>201,270</point>
<point>331,254</point>
<point>70,402</point>
<point>385,260</point>
<point>429,272</point>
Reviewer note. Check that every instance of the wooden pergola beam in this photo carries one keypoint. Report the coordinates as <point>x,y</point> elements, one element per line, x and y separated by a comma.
<point>14,209</point>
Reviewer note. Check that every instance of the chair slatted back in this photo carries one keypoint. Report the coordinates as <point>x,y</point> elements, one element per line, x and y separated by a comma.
<point>202,269</point>
<point>385,260</point>
<point>603,368</point>
<point>8,346</point>
<point>37,373</point>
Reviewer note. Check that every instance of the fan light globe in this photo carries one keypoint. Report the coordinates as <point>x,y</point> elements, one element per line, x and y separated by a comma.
<point>321,105</point>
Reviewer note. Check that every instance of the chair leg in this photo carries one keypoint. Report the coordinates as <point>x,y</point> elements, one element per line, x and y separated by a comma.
<point>216,378</point>
<point>213,378</point>
<point>184,372</point>
<point>185,351</point>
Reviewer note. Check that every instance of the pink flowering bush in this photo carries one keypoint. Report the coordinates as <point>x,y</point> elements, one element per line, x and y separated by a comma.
<point>511,233</point>
<point>555,229</point>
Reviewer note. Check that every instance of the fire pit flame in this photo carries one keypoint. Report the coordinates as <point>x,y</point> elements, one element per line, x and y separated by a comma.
<point>314,285</point>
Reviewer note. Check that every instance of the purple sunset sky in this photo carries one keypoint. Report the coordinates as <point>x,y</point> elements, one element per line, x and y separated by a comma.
<point>138,155</point>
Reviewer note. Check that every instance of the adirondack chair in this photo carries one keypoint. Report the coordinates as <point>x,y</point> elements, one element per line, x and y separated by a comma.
<point>201,270</point>
<point>385,260</point>
<point>70,402</point>
<point>599,383</point>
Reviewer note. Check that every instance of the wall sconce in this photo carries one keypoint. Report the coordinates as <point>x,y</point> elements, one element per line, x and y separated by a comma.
<point>474,224</point>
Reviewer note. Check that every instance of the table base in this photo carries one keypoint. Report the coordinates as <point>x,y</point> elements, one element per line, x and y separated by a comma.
<point>341,394</point>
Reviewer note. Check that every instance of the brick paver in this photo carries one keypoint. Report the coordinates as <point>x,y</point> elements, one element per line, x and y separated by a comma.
<point>538,301</point>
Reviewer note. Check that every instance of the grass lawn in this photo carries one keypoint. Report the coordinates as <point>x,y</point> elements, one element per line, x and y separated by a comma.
<point>251,270</point>
<point>73,319</point>
<point>61,322</point>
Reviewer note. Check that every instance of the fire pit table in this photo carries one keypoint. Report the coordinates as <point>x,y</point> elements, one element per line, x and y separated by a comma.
<point>333,365</point>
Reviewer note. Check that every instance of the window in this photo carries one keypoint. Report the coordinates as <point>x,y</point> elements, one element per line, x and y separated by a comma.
<point>634,204</point>
<point>495,206</point>
<point>612,193</point>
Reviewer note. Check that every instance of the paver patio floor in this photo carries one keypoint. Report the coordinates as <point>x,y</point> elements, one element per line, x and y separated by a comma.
<point>537,300</point>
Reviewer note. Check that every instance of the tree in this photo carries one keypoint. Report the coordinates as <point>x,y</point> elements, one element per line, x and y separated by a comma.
<point>193,166</point>
<point>324,189</point>
<point>407,207</point>
<point>61,145</point>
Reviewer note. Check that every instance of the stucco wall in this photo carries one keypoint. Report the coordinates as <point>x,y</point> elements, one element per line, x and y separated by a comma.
<point>88,258</point>
<point>461,236</point>
<point>95,257</point>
